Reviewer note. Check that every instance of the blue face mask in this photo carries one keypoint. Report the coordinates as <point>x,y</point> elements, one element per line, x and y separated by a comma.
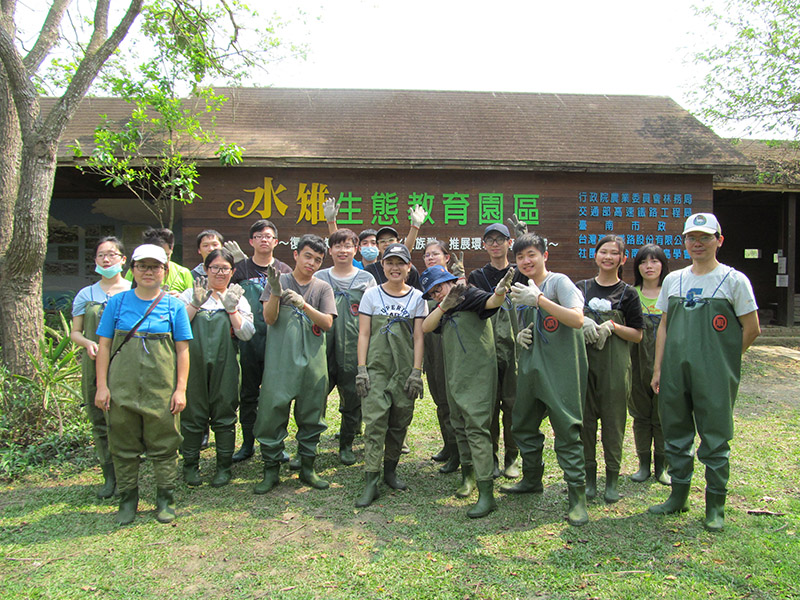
<point>108,272</point>
<point>369,253</point>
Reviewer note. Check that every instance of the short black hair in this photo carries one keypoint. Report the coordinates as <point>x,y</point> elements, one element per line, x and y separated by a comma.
<point>648,251</point>
<point>110,239</point>
<point>219,252</point>
<point>366,233</point>
<point>158,236</point>
<point>343,235</point>
<point>529,240</point>
<point>209,233</point>
<point>316,243</point>
<point>262,224</point>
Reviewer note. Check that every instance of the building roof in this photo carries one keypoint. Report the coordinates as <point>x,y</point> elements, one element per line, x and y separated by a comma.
<point>777,166</point>
<point>454,130</point>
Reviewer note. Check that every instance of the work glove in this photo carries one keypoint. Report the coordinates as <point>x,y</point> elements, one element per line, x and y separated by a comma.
<point>417,215</point>
<point>274,281</point>
<point>604,331</point>
<point>590,333</point>
<point>230,298</point>
<point>362,381</point>
<point>233,248</point>
<point>330,208</point>
<point>413,386</point>
<point>200,292</point>
<point>457,265</point>
<point>454,297</point>
<point>527,295</point>
<point>504,286</point>
<point>525,337</point>
<point>293,298</point>
<point>517,227</point>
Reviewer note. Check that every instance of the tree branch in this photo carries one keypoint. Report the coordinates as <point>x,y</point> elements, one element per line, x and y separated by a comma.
<point>100,26</point>
<point>47,36</point>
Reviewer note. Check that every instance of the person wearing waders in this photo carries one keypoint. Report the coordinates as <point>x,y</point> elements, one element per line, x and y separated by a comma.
<point>109,258</point>
<point>349,284</point>
<point>708,320</point>
<point>142,371</point>
<point>389,378</point>
<point>552,374</point>
<point>251,274</point>
<point>650,267</point>
<point>298,310</point>
<point>218,312</point>
<point>463,316</point>
<point>497,243</point>
<point>612,320</point>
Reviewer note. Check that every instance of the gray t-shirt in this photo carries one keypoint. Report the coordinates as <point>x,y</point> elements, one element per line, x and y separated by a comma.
<point>560,289</point>
<point>360,281</point>
<point>317,293</point>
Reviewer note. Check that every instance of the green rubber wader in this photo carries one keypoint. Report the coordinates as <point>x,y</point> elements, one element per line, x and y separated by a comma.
<point>97,417</point>
<point>212,389</point>
<point>504,324</point>
<point>142,379</point>
<point>699,381</point>
<point>609,387</point>
<point>552,382</point>
<point>251,357</point>
<point>433,361</point>
<point>386,409</point>
<point>470,366</point>
<point>343,361</point>
<point>643,404</point>
<point>295,368</point>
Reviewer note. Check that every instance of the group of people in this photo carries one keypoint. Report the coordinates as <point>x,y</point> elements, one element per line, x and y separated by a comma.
<point>171,352</point>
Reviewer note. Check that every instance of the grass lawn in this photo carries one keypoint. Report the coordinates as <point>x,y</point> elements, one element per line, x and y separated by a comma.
<point>58,541</point>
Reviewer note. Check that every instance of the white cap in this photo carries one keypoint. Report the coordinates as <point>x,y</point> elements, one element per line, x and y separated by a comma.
<point>150,251</point>
<point>705,222</point>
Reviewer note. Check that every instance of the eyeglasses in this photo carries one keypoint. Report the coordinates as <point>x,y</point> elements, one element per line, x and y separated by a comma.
<point>219,270</point>
<point>148,268</point>
<point>432,255</point>
<point>111,255</point>
<point>493,241</point>
<point>703,239</point>
<point>258,237</point>
<point>343,247</point>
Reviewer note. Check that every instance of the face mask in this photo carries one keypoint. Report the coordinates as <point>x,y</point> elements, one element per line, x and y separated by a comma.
<point>369,253</point>
<point>108,272</point>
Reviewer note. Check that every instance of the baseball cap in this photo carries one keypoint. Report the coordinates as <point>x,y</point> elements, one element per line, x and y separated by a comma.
<point>150,251</point>
<point>499,228</point>
<point>705,222</point>
<point>386,229</point>
<point>433,276</point>
<point>398,250</point>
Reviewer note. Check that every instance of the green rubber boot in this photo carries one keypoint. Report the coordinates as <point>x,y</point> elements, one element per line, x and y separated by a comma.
<point>531,482</point>
<point>485,503</point>
<point>165,505</point>
<point>644,468</point>
<point>271,479</point>
<point>346,455</point>
<point>246,451</point>
<point>591,480</point>
<point>453,461</point>
<point>511,470</point>
<point>660,469</point>
<point>191,458</point>
<point>223,475</point>
<point>294,462</point>
<point>370,493</point>
<point>128,503</point>
<point>678,501</point>
<point>576,512</point>
<point>715,511</point>
<point>611,493</point>
<point>467,482</point>
<point>109,487</point>
<point>390,475</point>
<point>309,475</point>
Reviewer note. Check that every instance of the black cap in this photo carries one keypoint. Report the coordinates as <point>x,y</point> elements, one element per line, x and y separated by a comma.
<point>499,228</point>
<point>398,250</point>
<point>387,229</point>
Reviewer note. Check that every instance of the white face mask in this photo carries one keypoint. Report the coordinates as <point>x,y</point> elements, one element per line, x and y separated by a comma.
<point>108,272</point>
<point>369,253</point>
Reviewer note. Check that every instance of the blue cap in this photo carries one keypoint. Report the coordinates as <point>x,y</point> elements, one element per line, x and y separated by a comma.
<point>433,276</point>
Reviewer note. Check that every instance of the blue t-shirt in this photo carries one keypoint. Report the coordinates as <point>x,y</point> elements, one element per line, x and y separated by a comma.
<point>124,310</point>
<point>91,293</point>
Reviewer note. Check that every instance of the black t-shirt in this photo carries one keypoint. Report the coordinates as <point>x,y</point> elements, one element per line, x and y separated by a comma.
<point>247,269</point>
<point>623,297</point>
<point>487,277</point>
<point>377,272</point>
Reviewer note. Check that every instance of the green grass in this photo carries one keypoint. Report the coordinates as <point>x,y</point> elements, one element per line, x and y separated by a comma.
<point>58,541</point>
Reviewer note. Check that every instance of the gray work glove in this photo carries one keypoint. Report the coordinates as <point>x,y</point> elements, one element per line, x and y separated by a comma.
<point>527,295</point>
<point>233,248</point>
<point>200,292</point>
<point>590,333</point>
<point>457,265</point>
<point>454,297</point>
<point>413,387</point>
<point>604,331</point>
<point>230,298</point>
<point>525,337</point>
<point>274,281</point>
<point>504,285</point>
<point>417,216</point>
<point>517,227</point>
<point>330,208</point>
<point>362,381</point>
<point>293,298</point>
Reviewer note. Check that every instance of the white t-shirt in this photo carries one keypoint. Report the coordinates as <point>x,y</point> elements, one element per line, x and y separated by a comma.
<point>723,282</point>
<point>248,329</point>
<point>377,302</point>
